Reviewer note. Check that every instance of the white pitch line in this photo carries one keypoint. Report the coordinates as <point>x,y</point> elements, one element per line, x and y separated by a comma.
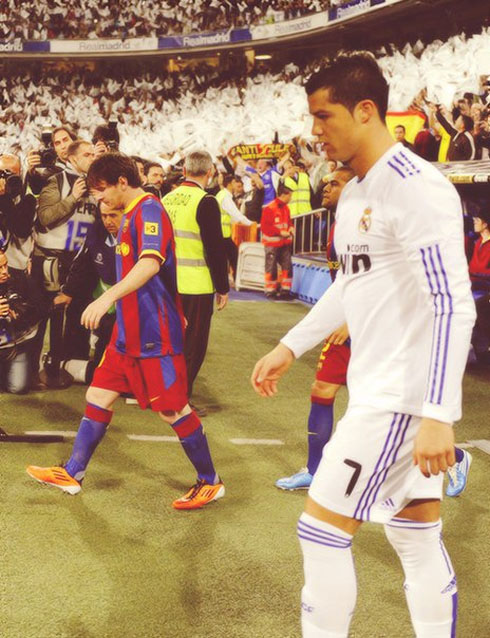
<point>257,441</point>
<point>157,439</point>
<point>481,444</point>
<point>67,433</point>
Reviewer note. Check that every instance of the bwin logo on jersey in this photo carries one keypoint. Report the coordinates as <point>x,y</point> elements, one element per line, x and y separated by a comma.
<point>352,264</point>
<point>365,222</point>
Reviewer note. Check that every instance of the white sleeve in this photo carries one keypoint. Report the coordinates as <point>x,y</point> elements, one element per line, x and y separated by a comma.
<point>429,226</point>
<point>326,316</point>
<point>230,207</point>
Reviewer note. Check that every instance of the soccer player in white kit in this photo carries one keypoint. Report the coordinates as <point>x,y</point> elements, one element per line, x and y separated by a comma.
<point>403,290</point>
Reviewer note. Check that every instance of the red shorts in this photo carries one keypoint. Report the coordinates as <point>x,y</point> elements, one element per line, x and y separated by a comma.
<point>158,382</point>
<point>333,363</point>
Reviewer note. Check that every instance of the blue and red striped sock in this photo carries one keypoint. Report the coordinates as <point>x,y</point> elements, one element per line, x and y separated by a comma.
<point>91,431</point>
<point>191,435</point>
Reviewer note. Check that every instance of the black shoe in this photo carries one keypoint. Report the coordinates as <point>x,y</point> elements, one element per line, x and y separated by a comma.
<point>271,295</point>
<point>200,411</point>
<point>286,296</point>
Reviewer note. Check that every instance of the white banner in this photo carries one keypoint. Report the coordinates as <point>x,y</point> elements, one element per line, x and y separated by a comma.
<point>290,27</point>
<point>93,46</point>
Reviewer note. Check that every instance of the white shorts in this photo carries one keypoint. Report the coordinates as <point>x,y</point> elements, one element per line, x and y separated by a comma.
<point>367,469</point>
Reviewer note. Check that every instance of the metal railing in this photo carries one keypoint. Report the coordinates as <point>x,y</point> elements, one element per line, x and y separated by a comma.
<point>311,231</point>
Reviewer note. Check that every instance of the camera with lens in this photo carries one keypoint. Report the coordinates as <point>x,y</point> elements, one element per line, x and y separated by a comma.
<point>7,295</point>
<point>47,152</point>
<point>107,134</point>
<point>13,183</point>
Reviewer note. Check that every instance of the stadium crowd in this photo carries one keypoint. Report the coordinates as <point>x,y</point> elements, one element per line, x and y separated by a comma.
<point>48,19</point>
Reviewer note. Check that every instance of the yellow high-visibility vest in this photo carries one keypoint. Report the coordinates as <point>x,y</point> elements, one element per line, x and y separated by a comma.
<point>193,275</point>
<point>301,199</point>
<point>225,217</point>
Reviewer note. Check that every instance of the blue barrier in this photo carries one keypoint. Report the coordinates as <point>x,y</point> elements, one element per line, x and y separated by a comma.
<point>310,281</point>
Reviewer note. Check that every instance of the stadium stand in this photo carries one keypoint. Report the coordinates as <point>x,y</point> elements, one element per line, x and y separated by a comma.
<point>48,19</point>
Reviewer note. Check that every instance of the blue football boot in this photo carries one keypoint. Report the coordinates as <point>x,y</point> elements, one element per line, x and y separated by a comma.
<point>458,475</point>
<point>299,481</point>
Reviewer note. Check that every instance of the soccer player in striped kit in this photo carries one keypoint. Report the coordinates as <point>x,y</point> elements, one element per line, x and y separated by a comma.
<point>403,290</point>
<point>145,355</point>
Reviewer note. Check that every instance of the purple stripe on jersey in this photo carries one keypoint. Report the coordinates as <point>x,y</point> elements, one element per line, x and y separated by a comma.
<point>402,163</point>
<point>396,169</point>
<point>313,540</point>
<point>454,598</point>
<point>402,431</point>
<point>446,557</point>
<point>438,322</point>
<point>409,162</point>
<point>448,330</point>
<point>438,299</point>
<point>434,328</point>
<point>372,478</point>
<point>327,536</point>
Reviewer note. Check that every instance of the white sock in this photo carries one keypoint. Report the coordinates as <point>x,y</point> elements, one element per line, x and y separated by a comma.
<point>329,595</point>
<point>430,582</point>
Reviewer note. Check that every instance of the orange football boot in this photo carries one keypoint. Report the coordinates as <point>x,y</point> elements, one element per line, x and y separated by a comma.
<point>199,495</point>
<point>55,476</point>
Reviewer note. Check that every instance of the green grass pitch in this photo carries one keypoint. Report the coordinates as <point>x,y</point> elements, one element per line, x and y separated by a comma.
<point>118,561</point>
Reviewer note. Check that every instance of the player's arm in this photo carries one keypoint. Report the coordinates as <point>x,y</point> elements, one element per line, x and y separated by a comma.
<point>325,316</point>
<point>431,234</point>
<point>144,269</point>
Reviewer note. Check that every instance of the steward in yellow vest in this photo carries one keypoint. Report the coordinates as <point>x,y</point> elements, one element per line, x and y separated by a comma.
<point>202,266</point>
<point>301,199</point>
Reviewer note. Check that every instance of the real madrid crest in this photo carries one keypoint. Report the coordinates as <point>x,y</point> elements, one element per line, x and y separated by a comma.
<point>365,221</point>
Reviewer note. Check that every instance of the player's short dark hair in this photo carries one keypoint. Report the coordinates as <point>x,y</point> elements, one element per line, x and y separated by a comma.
<point>149,165</point>
<point>282,189</point>
<point>346,171</point>
<point>110,167</point>
<point>228,178</point>
<point>352,78</point>
<point>401,126</point>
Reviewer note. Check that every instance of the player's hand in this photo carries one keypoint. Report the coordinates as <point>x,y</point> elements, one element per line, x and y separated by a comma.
<point>62,300</point>
<point>79,188</point>
<point>339,336</point>
<point>94,312</point>
<point>33,161</point>
<point>4,307</point>
<point>433,450</point>
<point>3,185</point>
<point>221,300</point>
<point>270,369</point>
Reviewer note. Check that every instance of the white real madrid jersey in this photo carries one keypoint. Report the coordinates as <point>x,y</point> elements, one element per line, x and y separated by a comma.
<point>403,289</point>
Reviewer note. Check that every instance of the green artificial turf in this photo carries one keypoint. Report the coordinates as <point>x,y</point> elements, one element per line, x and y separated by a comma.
<point>118,561</point>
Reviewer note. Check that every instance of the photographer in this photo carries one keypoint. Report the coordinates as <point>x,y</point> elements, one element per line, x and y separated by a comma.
<point>65,213</point>
<point>91,273</point>
<point>17,211</point>
<point>20,312</point>
<point>51,158</point>
<point>106,138</point>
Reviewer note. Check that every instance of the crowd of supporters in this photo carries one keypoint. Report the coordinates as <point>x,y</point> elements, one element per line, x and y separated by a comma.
<point>50,19</point>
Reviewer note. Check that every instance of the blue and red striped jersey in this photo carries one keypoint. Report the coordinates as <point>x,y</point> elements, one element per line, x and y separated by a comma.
<point>149,321</point>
